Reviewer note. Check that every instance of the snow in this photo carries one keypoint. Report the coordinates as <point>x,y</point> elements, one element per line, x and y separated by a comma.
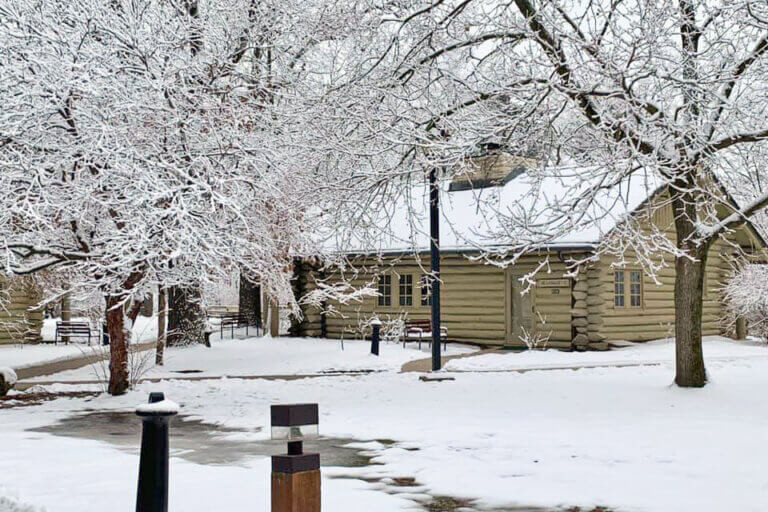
<point>276,356</point>
<point>623,438</point>
<point>652,352</point>
<point>9,376</point>
<point>162,408</point>
<point>20,356</point>
<point>478,218</point>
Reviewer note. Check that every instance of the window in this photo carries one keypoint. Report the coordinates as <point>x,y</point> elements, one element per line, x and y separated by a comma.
<point>618,288</point>
<point>628,288</point>
<point>426,292</point>
<point>635,288</point>
<point>406,290</point>
<point>385,290</point>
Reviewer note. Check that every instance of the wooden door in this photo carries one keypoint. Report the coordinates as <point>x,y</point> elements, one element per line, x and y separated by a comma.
<point>519,310</point>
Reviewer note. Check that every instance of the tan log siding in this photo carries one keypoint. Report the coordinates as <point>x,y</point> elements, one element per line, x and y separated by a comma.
<point>472,297</point>
<point>473,300</point>
<point>17,322</point>
<point>656,318</point>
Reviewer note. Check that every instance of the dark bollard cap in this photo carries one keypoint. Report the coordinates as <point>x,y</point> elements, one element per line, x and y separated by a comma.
<point>155,397</point>
<point>157,406</point>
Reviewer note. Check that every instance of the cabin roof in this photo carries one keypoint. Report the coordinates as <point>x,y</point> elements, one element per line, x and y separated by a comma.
<point>473,219</point>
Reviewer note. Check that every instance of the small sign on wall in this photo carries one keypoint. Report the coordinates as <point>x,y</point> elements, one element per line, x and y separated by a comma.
<point>553,283</point>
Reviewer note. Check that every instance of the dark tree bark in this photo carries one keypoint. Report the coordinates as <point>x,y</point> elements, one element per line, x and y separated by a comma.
<point>119,323</point>
<point>161,318</point>
<point>118,346</point>
<point>186,319</point>
<point>66,313</point>
<point>147,306</point>
<point>250,300</point>
<point>689,295</point>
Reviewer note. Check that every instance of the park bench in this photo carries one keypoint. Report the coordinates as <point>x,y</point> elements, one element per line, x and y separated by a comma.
<point>234,321</point>
<point>66,330</point>
<point>417,330</point>
<point>219,311</point>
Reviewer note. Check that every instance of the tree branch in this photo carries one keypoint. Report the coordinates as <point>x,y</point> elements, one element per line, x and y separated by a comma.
<point>733,140</point>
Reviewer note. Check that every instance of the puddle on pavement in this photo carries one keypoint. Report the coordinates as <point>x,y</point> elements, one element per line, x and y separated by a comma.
<point>206,443</point>
<point>199,442</point>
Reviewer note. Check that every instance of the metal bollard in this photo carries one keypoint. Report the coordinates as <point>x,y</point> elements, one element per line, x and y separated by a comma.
<point>376,324</point>
<point>152,493</point>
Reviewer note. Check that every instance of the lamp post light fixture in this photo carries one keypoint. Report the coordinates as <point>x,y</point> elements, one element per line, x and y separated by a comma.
<point>295,475</point>
<point>375,335</point>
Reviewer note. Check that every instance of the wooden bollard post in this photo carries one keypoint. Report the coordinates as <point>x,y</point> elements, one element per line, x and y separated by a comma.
<point>295,475</point>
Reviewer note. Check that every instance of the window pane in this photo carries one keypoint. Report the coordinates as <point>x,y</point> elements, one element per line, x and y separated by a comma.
<point>635,288</point>
<point>385,290</point>
<point>426,293</point>
<point>406,290</point>
<point>618,288</point>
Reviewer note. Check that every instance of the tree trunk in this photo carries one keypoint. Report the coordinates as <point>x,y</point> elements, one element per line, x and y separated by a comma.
<point>274,319</point>
<point>119,380</point>
<point>186,320</point>
<point>690,371</point>
<point>741,328</point>
<point>161,308</point>
<point>250,300</point>
<point>689,288</point>
<point>147,306</point>
<point>66,313</point>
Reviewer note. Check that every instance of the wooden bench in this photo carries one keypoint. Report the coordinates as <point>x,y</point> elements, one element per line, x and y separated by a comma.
<point>235,321</point>
<point>417,330</point>
<point>68,330</point>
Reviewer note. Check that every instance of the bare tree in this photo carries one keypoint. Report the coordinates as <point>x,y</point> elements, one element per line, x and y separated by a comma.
<point>613,90</point>
<point>155,143</point>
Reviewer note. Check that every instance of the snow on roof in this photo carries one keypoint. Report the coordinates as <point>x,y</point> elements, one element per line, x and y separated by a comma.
<point>533,209</point>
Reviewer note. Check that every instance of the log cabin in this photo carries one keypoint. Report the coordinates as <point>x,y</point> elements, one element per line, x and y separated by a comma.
<point>569,292</point>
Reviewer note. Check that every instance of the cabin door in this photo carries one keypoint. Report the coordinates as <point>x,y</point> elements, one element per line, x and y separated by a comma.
<point>519,312</point>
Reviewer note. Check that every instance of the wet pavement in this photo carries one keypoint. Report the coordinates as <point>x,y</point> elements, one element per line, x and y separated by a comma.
<point>206,443</point>
<point>197,441</point>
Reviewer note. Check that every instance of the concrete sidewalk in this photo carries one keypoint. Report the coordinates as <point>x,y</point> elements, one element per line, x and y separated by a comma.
<point>425,365</point>
<point>72,363</point>
<point>24,385</point>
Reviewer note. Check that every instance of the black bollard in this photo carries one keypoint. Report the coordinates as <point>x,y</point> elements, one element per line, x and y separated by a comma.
<point>376,324</point>
<point>152,494</point>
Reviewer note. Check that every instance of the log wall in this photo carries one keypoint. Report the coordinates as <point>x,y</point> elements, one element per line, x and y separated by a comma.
<point>18,322</point>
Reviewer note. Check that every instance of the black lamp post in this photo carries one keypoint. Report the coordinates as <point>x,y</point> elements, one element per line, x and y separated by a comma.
<point>434,259</point>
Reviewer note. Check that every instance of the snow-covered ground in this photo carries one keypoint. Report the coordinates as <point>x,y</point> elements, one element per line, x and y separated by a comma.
<point>620,437</point>
<point>281,356</point>
<point>19,356</point>
<point>652,352</point>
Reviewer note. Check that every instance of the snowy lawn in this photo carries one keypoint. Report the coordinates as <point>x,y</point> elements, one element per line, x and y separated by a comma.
<point>280,356</point>
<point>652,352</point>
<point>619,437</point>
<point>18,356</point>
